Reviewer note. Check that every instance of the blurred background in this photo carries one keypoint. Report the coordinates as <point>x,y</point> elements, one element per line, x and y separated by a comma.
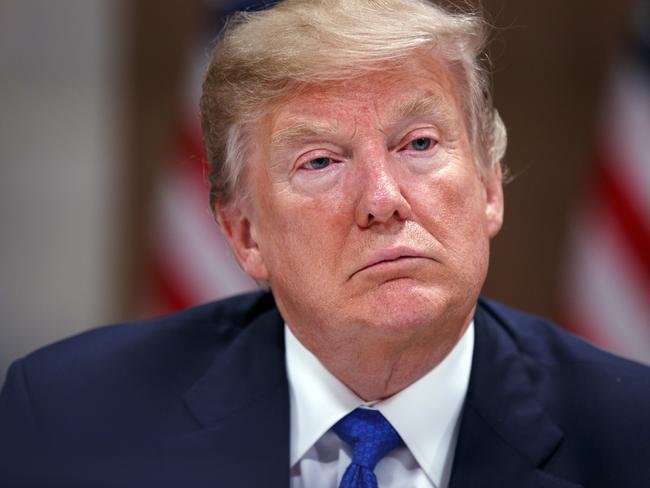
<point>103,209</point>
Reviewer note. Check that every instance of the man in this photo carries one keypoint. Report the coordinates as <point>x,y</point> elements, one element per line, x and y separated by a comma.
<point>355,169</point>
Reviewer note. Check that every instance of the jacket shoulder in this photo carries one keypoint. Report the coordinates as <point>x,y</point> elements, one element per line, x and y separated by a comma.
<point>212,323</point>
<point>576,380</point>
<point>547,342</point>
<point>131,364</point>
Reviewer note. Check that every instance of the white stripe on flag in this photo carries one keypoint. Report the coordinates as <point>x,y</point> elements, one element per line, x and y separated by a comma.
<point>605,293</point>
<point>191,243</point>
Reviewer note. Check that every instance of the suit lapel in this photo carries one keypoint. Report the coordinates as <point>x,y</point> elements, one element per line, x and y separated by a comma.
<point>505,436</point>
<point>242,405</point>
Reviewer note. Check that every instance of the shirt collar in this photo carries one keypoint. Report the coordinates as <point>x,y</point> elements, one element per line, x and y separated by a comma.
<point>425,413</point>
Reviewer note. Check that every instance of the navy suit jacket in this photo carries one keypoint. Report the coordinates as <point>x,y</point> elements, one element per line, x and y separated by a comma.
<point>200,399</point>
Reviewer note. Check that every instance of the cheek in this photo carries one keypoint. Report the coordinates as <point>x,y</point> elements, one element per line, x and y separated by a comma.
<point>450,204</point>
<point>300,233</point>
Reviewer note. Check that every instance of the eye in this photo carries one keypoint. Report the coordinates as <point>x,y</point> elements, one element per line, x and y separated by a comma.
<point>318,163</point>
<point>421,144</point>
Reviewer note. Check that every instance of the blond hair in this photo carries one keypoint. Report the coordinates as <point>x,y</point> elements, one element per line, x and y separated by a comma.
<point>264,55</point>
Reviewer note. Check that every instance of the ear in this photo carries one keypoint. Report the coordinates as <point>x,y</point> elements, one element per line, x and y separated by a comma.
<point>493,184</point>
<point>240,233</point>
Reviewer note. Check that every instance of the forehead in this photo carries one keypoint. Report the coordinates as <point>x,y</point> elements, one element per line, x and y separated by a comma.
<point>413,89</point>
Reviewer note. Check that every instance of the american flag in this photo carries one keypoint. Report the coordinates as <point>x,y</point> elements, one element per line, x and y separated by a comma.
<point>191,262</point>
<point>607,296</point>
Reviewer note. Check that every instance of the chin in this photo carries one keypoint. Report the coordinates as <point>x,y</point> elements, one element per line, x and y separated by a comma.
<point>401,307</point>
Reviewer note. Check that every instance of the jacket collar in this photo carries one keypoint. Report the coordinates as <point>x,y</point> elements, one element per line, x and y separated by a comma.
<point>505,435</point>
<point>242,405</point>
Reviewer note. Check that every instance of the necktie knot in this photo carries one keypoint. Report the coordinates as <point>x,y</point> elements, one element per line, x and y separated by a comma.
<point>369,435</point>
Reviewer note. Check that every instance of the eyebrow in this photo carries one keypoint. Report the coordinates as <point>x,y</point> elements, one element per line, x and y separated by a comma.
<point>301,132</point>
<point>431,105</point>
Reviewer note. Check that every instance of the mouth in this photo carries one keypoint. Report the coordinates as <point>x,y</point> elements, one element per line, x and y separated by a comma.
<point>387,259</point>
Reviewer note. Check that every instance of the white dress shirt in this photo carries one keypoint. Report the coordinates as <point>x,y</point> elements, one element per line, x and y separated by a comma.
<point>425,414</point>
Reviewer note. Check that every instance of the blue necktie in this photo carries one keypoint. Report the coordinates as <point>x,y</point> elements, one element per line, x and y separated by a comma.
<point>371,437</point>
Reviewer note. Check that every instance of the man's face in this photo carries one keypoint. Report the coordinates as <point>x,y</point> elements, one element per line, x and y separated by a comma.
<point>367,212</point>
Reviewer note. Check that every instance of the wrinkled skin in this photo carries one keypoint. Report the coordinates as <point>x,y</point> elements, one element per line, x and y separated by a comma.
<point>371,221</point>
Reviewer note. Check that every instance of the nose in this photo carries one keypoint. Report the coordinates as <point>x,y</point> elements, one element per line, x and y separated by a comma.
<point>381,199</point>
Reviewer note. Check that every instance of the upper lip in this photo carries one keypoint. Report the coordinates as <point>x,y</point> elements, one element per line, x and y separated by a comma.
<point>391,254</point>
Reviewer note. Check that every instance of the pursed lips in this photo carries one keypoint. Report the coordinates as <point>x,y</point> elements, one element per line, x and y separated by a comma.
<point>391,255</point>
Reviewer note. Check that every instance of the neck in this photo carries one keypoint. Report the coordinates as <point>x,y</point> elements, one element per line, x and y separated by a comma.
<point>375,366</point>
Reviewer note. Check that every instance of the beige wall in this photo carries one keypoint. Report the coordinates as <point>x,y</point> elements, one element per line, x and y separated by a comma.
<point>58,149</point>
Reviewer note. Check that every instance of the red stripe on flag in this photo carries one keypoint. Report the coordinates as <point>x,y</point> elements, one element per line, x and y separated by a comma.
<point>568,318</point>
<point>635,231</point>
<point>190,144</point>
<point>171,294</point>
<point>193,159</point>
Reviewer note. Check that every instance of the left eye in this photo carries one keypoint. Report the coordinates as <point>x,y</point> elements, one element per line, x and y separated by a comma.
<point>421,144</point>
<point>318,163</point>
